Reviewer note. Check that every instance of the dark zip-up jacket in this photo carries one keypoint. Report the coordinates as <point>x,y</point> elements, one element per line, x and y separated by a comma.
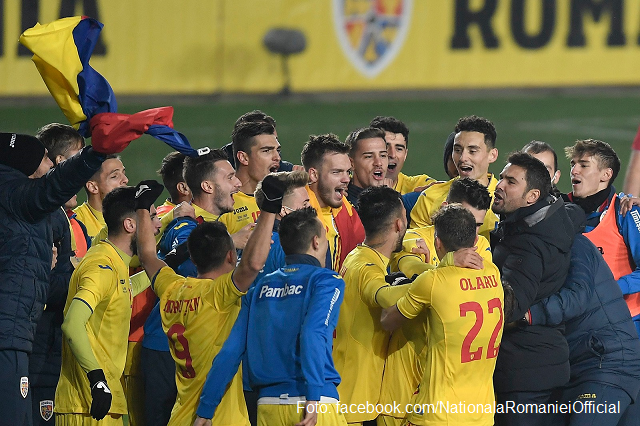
<point>532,249</point>
<point>603,344</point>
<point>26,241</point>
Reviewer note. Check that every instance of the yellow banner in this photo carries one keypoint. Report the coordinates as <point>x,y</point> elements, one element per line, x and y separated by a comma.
<point>192,46</point>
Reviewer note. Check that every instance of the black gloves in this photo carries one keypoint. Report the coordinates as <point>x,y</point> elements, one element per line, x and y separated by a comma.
<point>273,190</point>
<point>397,278</point>
<point>147,192</point>
<point>100,394</point>
<point>177,256</point>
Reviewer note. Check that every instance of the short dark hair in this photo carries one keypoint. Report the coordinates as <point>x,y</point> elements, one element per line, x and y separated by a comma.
<point>605,155</point>
<point>455,226</point>
<point>360,134</point>
<point>536,174</point>
<point>58,139</point>
<point>290,180</point>
<point>377,207</point>
<point>314,150</point>
<point>297,230</point>
<point>537,147</point>
<point>473,123</point>
<point>243,134</point>
<point>469,191</point>
<point>208,246</point>
<point>255,116</point>
<point>391,124</point>
<point>171,172</point>
<point>198,169</point>
<point>118,204</point>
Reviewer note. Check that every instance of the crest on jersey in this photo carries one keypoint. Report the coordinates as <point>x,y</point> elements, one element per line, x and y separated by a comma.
<point>371,32</point>
<point>24,386</point>
<point>46,409</point>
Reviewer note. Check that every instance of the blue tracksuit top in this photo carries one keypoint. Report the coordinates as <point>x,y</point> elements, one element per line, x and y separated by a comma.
<point>286,328</point>
<point>629,228</point>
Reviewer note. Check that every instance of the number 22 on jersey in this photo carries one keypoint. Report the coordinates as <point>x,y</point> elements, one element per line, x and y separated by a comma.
<point>476,308</point>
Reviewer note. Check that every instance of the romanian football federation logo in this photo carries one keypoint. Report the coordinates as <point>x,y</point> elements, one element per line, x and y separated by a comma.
<point>46,409</point>
<point>371,32</point>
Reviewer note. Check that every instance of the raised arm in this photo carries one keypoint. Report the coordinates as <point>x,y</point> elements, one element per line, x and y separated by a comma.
<point>257,249</point>
<point>146,193</point>
<point>34,199</point>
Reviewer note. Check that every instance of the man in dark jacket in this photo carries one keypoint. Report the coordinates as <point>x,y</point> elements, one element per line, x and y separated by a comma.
<point>531,246</point>
<point>26,253</point>
<point>62,141</point>
<point>604,351</point>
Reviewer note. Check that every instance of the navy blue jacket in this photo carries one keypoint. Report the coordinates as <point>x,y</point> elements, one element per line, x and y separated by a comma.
<point>46,359</point>
<point>603,344</point>
<point>26,241</point>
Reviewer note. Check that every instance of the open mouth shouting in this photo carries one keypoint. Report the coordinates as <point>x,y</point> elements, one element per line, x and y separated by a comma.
<point>465,170</point>
<point>274,168</point>
<point>392,167</point>
<point>378,174</point>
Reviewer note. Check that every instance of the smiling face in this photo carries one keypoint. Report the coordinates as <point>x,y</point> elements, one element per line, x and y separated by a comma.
<point>331,180</point>
<point>396,152</point>
<point>511,192</point>
<point>225,184</point>
<point>264,157</point>
<point>472,156</point>
<point>111,176</point>
<point>587,178</point>
<point>369,162</point>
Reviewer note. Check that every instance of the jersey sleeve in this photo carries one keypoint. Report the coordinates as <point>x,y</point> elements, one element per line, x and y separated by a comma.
<point>224,293</point>
<point>418,297</point>
<point>98,281</point>
<point>484,249</point>
<point>225,364</point>
<point>317,330</point>
<point>420,214</point>
<point>164,279</point>
<point>372,280</point>
<point>630,229</point>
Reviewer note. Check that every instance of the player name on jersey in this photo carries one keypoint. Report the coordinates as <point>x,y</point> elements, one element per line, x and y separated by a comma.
<point>485,281</point>
<point>176,306</point>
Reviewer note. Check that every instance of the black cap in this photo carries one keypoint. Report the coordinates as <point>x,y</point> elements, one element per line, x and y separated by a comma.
<point>21,152</point>
<point>448,150</point>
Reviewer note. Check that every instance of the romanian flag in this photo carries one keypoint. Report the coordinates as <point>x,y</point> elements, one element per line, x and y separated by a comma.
<point>348,225</point>
<point>61,52</point>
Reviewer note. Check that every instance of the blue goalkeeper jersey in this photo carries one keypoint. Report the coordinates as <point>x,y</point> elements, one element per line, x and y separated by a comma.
<point>284,332</point>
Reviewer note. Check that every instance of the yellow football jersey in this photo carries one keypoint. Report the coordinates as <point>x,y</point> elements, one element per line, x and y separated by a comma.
<point>431,199</point>
<point>360,344</point>
<point>245,211</point>
<point>102,282</point>
<point>408,184</point>
<point>197,316</point>
<point>465,318</point>
<point>415,263</point>
<point>91,218</point>
<point>407,347</point>
<point>332,236</point>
